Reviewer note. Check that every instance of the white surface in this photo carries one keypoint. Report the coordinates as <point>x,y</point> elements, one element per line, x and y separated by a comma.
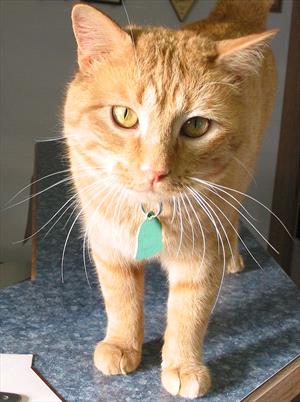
<point>16,376</point>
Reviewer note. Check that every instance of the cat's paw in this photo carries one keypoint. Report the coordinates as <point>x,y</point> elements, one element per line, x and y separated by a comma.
<point>235,264</point>
<point>112,360</point>
<point>186,381</point>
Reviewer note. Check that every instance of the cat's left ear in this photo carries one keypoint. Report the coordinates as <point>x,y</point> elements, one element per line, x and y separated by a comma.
<point>244,53</point>
<point>97,35</point>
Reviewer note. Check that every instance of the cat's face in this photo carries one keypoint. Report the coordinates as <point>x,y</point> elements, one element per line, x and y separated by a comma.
<point>154,114</point>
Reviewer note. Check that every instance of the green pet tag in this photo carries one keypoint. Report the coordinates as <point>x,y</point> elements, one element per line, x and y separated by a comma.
<point>149,237</point>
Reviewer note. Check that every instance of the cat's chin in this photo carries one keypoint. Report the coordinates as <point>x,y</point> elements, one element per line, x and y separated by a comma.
<point>146,196</point>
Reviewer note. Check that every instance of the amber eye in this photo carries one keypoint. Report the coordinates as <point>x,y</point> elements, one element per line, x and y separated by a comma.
<point>195,127</point>
<point>124,116</point>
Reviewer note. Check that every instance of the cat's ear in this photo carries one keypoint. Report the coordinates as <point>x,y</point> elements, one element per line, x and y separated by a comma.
<point>244,53</point>
<point>97,35</point>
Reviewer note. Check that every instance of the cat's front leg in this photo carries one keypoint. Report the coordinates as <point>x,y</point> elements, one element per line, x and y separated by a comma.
<point>122,285</point>
<point>192,294</point>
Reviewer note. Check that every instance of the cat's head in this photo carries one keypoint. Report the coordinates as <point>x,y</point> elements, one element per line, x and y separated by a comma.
<point>151,107</point>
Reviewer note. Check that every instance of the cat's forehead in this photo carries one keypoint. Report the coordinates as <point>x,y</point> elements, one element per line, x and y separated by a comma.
<point>173,47</point>
<point>149,96</point>
<point>154,97</point>
<point>171,66</point>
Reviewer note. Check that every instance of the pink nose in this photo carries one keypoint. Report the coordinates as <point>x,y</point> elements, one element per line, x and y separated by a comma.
<point>154,176</point>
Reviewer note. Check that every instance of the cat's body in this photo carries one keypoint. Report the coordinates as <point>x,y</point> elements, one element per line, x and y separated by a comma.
<point>166,78</point>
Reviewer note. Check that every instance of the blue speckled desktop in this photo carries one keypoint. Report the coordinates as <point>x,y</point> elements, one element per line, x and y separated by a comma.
<point>254,330</point>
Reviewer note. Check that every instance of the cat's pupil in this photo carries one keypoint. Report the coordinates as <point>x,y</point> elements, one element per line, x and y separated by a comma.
<point>124,116</point>
<point>195,127</point>
<point>197,123</point>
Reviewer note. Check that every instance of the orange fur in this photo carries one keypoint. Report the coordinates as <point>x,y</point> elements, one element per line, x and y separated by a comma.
<point>221,69</point>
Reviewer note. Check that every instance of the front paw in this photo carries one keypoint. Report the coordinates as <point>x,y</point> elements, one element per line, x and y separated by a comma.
<point>187,381</point>
<point>112,359</point>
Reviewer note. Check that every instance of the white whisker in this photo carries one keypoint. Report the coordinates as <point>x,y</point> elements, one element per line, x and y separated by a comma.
<point>229,245</point>
<point>200,202</point>
<point>195,194</point>
<point>84,260</point>
<point>245,168</point>
<point>201,229</point>
<point>247,220</point>
<point>131,34</point>
<point>237,233</point>
<point>50,139</point>
<point>59,218</point>
<point>215,190</point>
<point>174,208</point>
<point>43,178</point>
<point>41,228</point>
<point>247,196</point>
<point>86,234</point>
<point>60,138</point>
<point>190,222</point>
<point>181,228</point>
<point>67,179</point>
<point>53,216</point>
<point>71,228</point>
<point>69,217</point>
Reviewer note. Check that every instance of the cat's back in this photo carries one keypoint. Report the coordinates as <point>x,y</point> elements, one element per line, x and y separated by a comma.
<point>233,18</point>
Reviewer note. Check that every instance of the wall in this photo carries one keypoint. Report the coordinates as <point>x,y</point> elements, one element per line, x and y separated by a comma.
<point>37,59</point>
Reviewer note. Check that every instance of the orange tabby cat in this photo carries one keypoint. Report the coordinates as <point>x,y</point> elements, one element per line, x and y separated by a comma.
<point>169,119</point>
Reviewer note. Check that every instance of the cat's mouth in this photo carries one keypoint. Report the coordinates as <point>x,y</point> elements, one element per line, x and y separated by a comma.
<point>158,192</point>
<point>150,194</point>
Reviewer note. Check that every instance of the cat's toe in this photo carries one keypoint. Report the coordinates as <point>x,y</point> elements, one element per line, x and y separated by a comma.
<point>170,379</point>
<point>195,384</point>
<point>112,359</point>
<point>187,382</point>
<point>235,264</point>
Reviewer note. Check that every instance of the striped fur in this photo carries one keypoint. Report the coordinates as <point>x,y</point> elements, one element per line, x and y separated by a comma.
<point>220,68</point>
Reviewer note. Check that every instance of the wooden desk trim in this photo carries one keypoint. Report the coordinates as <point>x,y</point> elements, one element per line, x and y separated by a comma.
<point>283,386</point>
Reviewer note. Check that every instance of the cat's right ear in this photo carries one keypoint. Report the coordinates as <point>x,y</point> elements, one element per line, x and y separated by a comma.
<point>244,53</point>
<point>97,35</point>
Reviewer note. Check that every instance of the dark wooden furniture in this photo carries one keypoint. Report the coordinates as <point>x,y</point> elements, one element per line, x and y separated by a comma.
<point>286,198</point>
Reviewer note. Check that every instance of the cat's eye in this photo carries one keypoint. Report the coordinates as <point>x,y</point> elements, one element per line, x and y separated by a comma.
<point>195,127</point>
<point>124,116</point>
